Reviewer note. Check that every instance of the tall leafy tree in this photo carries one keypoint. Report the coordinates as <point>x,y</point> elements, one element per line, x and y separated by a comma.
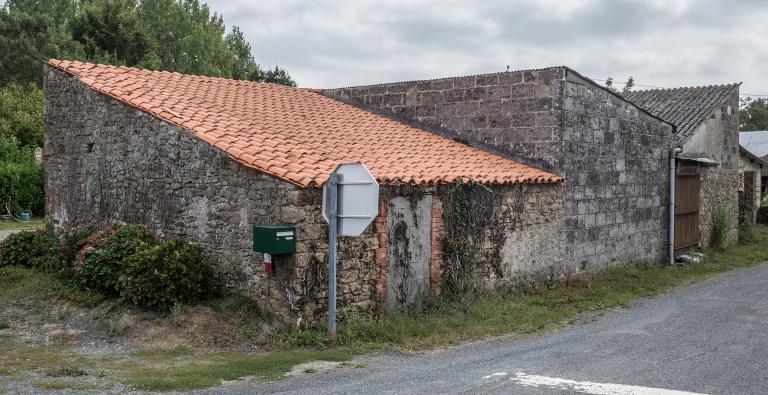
<point>110,32</point>
<point>245,68</point>
<point>28,39</point>
<point>753,114</point>
<point>21,114</point>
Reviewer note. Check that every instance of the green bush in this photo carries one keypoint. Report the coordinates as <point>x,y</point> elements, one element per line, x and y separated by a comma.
<point>747,233</point>
<point>72,242</point>
<point>159,276</point>
<point>721,226</point>
<point>22,185</point>
<point>31,249</point>
<point>99,264</point>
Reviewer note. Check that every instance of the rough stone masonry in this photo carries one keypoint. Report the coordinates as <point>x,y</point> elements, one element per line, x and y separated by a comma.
<point>613,155</point>
<point>107,162</point>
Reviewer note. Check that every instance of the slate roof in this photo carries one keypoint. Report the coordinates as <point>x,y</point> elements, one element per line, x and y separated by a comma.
<point>686,108</point>
<point>755,142</point>
<point>298,135</point>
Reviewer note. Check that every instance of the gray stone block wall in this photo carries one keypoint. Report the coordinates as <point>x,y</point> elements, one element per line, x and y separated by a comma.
<point>616,166</point>
<point>718,138</point>
<point>109,162</point>
<point>510,112</point>
<point>613,156</point>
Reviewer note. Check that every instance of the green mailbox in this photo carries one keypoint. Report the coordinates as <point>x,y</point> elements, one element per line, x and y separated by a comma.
<point>274,239</point>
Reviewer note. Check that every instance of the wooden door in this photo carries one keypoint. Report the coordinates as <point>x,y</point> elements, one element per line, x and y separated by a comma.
<point>687,206</point>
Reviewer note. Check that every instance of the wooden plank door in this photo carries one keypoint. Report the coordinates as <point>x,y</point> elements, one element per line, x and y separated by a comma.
<point>687,206</point>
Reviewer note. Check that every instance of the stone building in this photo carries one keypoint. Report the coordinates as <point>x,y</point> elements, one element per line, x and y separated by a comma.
<point>613,155</point>
<point>707,177</point>
<point>205,159</point>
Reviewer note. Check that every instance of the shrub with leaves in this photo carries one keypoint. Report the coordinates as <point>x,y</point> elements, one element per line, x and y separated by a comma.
<point>99,263</point>
<point>38,249</point>
<point>159,276</point>
<point>721,226</point>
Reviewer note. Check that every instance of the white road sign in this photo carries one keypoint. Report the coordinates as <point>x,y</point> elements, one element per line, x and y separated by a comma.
<point>358,199</point>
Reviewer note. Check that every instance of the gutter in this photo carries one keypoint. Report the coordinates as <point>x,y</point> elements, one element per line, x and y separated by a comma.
<point>672,161</point>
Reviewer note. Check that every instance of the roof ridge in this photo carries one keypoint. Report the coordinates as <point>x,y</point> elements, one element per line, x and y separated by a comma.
<point>728,85</point>
<point>443,78</point>
<point>57,63</point>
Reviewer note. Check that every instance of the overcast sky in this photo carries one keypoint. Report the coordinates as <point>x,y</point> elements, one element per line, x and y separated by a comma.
<point>667,43</point>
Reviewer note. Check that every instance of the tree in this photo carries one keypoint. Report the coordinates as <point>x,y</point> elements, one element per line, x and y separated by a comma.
<point>26,40</point>
<point>609,84</point>
<point>753,114</point>
<point>245,68</point>
<point>21,114</point>
<point>110,32</point>
<point>628,85</point>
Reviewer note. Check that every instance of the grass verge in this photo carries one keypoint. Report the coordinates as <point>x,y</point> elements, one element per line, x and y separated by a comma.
<point>17,225</point>
<point>451,321</point>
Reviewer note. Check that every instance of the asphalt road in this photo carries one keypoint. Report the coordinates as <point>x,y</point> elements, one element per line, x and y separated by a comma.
<point>710,337</point>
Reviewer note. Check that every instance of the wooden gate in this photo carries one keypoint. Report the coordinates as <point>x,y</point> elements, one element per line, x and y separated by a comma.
<point>687,205</point>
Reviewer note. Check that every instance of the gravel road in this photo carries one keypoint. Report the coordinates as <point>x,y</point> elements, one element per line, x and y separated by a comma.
<point>710,337</point>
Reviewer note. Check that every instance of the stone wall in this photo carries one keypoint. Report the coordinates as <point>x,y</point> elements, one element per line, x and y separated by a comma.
<point>108,162</point>
<point>613,156</point>
<point>616,166</point>
<point>506,113</point>
<point>718,139</point>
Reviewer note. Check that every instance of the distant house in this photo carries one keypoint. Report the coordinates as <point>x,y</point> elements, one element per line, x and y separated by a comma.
<point>756,142</point>
<point>707,171</point>
<point>205,159</point>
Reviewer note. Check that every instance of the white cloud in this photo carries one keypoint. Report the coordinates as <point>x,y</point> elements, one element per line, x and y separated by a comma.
<point>335,43</point>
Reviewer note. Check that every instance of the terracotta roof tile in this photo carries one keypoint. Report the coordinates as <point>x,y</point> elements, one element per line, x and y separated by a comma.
<point>297,134</point>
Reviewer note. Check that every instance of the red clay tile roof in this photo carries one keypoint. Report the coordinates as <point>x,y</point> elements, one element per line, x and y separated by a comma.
<point>296,134</point>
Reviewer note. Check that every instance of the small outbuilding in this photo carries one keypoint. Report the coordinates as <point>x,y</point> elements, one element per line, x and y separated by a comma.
<point>707,177</point>
<point>206,159</point>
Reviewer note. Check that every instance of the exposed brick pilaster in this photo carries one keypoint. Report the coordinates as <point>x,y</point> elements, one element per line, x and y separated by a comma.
<point>381,255</point>
<point>435,269</point>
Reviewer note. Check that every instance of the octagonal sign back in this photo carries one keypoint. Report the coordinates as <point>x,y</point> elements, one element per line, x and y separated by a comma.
<point>358,199</point>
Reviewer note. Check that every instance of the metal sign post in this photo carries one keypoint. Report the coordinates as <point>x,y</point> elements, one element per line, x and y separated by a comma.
<point>333,224</point>
<point>350,204</point>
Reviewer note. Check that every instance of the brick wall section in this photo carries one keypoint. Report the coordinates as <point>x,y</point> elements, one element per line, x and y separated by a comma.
<point>613,156</point>
<point>436,272</point>
<point>380,224</point>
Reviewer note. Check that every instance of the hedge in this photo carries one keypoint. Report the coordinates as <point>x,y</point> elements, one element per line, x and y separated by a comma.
<point>22,184</point>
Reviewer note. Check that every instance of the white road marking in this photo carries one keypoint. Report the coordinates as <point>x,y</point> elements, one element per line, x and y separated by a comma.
<point>497,374</point>
<point>588,387</point>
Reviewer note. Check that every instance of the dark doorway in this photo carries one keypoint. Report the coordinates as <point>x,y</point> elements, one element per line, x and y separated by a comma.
<point>747,199</point>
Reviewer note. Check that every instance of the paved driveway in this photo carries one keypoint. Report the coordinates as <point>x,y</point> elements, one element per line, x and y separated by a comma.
<point>6,233</point>
<point>711,337</point>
